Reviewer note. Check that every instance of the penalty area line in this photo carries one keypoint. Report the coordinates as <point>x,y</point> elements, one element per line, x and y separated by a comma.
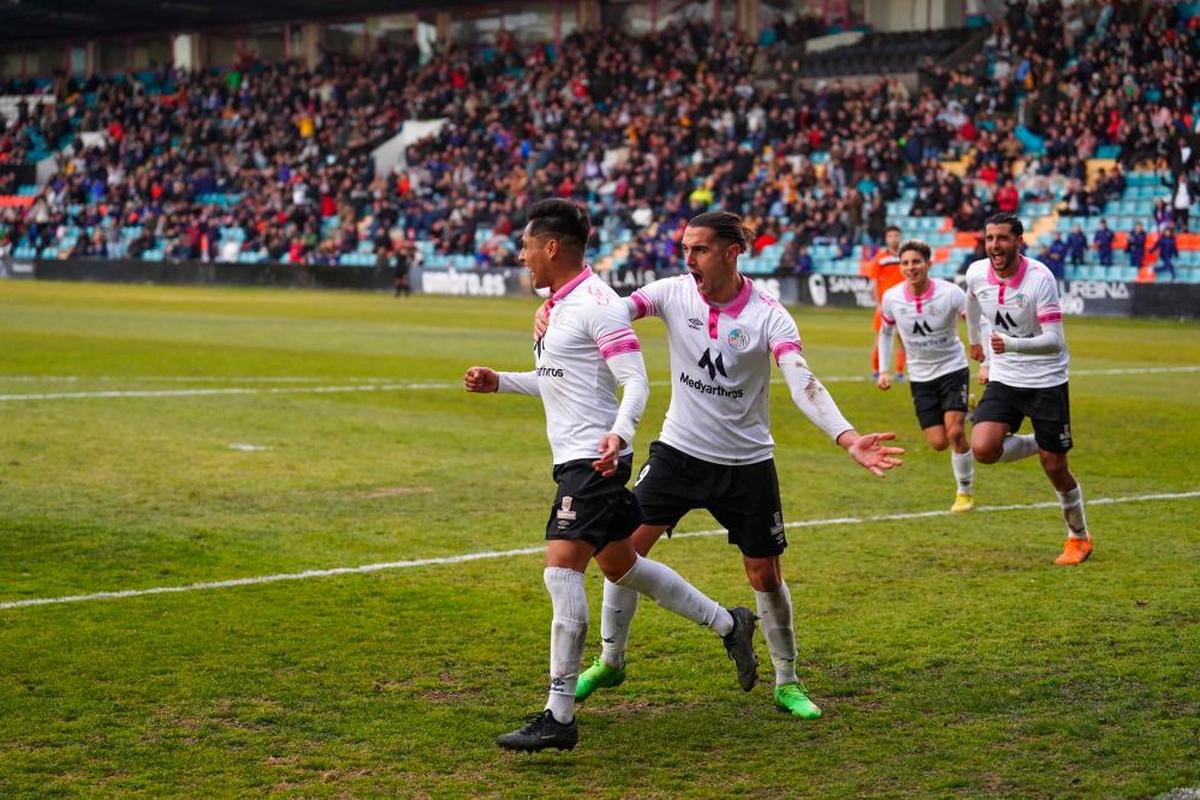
<point>526,551</point>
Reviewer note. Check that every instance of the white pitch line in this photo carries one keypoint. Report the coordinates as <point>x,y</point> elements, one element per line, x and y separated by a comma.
<point>178,379</point>
<point>401,387</point>
<point>525,551</point>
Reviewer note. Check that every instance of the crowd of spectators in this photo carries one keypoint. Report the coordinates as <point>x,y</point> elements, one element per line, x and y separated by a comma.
<point>646,130</point>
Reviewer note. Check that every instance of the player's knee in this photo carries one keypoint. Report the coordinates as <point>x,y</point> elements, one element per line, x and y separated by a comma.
<point>986,453</point>
<point>763,574</point>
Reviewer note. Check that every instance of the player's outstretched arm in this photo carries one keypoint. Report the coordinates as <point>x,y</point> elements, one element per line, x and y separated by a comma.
<point>811,397</point>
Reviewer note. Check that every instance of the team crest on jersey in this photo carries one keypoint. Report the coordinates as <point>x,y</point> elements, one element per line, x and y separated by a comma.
<point>738,339</point>
<point>1020,299</point>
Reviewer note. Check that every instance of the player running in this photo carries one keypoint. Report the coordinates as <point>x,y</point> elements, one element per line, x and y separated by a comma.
<point>588,349</point>
<point>925,311</point>
<point>715,450</point>
<point>884,272</point>
<point>1018,297</point>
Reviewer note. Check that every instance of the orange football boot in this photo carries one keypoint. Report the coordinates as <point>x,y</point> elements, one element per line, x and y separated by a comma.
<point>1075,551</point>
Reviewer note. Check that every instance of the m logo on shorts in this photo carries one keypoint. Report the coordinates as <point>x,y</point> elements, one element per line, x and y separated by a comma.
<point>565,513</point>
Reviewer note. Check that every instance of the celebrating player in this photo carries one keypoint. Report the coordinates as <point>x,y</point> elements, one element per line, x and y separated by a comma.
<point>1018,297</point>
<point>715,449</point>
<point>925,311</point>
<point>588,349</point>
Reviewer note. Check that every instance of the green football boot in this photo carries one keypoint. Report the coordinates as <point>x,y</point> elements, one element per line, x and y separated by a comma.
<point>793,698</point>
<point>598,676</point>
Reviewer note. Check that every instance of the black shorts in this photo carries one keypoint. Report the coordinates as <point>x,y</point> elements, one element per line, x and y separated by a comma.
<point>934,398</point>
<point>1049,409</point>
<point>591,507</point>
<point>743,498</point>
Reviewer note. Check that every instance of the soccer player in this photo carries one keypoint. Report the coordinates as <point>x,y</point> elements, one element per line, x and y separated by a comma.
<point>715,450</point>
<point>588,349</point>
<point>1018,297</point>
<point>925,311</point>
<point>884,273</point>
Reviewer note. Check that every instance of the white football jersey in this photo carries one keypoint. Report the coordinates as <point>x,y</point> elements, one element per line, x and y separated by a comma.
<point>720,367</point>
<point>928,327</point>
<point>588,324</point>
<point>1018,307</point>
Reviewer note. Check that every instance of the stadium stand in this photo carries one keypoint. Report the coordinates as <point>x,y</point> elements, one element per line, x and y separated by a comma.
<point>1066,115</point>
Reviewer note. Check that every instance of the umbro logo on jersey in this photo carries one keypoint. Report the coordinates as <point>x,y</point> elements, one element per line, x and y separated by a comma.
<point>713,366</point>
<point>695,323</point>
<point>922,328</point>
<point>1004,320</point>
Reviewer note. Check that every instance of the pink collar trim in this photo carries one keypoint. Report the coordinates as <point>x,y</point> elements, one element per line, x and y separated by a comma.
<point>734,306</point>
<point>923,297</point>
<point>567,287</point>
<point>1012,282</point>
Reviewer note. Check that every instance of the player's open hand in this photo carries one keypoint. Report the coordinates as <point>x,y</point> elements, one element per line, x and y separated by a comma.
<point>870,451</point>
<point>883,381</point>
<point>482,380</point>
<point>997,343</point>
<point>541,321</point>
<point>977,353</point>
<point>610,448</point>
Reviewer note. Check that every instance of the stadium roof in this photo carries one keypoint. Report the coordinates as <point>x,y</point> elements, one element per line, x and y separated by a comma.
<point>48,21</point>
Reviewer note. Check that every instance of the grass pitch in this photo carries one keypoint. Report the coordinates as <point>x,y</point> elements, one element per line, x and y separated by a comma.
<point>950,656</point>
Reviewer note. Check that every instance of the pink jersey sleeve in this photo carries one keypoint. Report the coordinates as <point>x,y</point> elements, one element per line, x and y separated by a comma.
<point>648,300</point>
<point>782,335</point>
<point>615,342</point>
<point>1046,303</point>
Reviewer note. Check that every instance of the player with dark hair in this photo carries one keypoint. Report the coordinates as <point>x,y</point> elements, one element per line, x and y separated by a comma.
<point>925,312</point>
<point>1018,298</point>
<point>715,450</point>
<point>586,352</point>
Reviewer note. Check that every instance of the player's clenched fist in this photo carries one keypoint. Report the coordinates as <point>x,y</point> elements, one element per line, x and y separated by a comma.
<point>481,379</point>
